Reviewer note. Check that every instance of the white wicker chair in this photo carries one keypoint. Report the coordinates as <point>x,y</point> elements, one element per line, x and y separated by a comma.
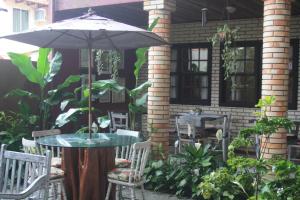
<point>56,175</point>
<point>118,121</point>
<point>56,151</point>
<point>183,136</point>
<point>124,151</point>
<point>24,176</point>
<point>131,177</point>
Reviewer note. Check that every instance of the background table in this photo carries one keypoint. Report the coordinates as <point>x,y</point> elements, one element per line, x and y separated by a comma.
<point>87,162</point>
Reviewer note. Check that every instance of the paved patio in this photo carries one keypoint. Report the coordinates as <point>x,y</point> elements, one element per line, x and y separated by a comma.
<point>150,195</point>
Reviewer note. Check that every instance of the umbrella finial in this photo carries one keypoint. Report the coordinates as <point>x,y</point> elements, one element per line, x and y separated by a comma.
<point>91,12</point>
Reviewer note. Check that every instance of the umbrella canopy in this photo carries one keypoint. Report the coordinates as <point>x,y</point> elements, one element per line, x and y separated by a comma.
<point>89,31</point>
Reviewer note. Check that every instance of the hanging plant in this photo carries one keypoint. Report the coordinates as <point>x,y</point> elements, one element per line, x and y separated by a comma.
<point>227,36</point>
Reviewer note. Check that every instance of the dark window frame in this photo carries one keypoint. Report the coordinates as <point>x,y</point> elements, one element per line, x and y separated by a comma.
<point>295,44</point>
<point>182,62</point>
<point>122,73</point>
<point>258,68</point>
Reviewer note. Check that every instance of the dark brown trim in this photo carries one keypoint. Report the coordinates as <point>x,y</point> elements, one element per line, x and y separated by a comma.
<point>181,63</point>
<point>295,44</point>
<point>258,64</point>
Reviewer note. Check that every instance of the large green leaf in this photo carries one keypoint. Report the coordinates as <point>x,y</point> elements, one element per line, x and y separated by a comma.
<point>64,118</point>
<point>55,96</point>
<point>54,67</point>
<point>43,63</point>
<point>25,66</point>
<point>141,59</point>
<point>103,121</point>
<point>136,109</point>
<point>153,24</point>
<point>66,102</point>
<point>142,100</point>
<point>141,54</point>
<point>21,93</point>
<point>100,87</point>
<point>139,90</point>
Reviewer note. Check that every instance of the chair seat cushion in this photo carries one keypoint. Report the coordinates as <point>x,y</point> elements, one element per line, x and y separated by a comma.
<point>56,162</point>
<point>120,174</point>
<point>56,173</point>
<point>122,163</point>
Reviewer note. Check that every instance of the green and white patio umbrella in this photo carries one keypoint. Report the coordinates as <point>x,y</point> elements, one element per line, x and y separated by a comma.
<point>88,31</point>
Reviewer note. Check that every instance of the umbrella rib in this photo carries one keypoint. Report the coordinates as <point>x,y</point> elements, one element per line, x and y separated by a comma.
<point>110,40</point>
<point>61,34</point>
<point>70,34</point>
<point>100,37</point>
<point>125,32</point>
<point>166,43</point>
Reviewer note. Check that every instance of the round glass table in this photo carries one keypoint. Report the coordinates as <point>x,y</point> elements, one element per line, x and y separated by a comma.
<point>86,162</point>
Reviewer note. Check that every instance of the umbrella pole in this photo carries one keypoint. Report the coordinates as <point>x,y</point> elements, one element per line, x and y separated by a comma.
<point>90,91</point>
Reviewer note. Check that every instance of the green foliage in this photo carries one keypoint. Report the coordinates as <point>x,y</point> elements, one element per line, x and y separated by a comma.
<point>14,126</point>
<point>227,36</point>
<point>258,171</point>
<point>42,75</point>
<point>138,95</point>
<point>182,173</point>
<point>100,87</point>
<point>220,184</point>
<point>66,117</point>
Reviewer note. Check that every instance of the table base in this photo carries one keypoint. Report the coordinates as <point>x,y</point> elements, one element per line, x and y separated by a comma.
<point>86,172</point>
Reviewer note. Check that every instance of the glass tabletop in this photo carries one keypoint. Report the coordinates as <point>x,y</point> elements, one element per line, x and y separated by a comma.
<point>81,140</point>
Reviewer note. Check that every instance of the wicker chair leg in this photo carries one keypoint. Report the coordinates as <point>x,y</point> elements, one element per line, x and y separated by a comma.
<point>143,191</point>
<point>108,191</point>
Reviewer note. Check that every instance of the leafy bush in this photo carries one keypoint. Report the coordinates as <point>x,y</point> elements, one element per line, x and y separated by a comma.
<point>182,173</point>
<point>14,126</point>
<point>221,185</point>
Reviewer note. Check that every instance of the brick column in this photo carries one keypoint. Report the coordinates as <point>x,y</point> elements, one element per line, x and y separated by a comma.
<point>159,73</point>
<point>276,42</point>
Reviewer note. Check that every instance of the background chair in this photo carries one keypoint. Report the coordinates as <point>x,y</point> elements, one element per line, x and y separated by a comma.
<point>56,179</point>
<point>131,177</point>
<point>123,154</point>
<point>185,133</point>
<point>56,151</point>
<point>24,176</point>
<point>224,124</point>
<point>118,121</point>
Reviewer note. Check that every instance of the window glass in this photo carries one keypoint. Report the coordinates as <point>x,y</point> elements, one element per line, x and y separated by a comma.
<point>293,74</point>
<point>242,88</point>
<point>190,81</point>
<point>104,62</point>
<point>20,20</point>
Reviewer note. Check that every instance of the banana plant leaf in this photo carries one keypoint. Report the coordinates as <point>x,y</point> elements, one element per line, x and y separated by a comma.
<point>43,63</point>
<point>136,109</point>
<point>21,93</point>
<point>139,90</point>
<point>103,121</point>
<point>65,117</point>
<point>142,100</point>
<point>53,68</point>
<point>24,64</point>
<point>55,96</point>
<point>141,54</point>
<point>100,87</point>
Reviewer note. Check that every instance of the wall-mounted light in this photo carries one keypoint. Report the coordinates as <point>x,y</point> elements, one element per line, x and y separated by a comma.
<point>204,16</point>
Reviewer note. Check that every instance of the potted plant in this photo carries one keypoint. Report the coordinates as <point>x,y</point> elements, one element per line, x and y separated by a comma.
<point>226,36</point>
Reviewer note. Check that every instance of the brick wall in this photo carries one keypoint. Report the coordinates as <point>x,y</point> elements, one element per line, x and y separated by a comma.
<point>250,29</point>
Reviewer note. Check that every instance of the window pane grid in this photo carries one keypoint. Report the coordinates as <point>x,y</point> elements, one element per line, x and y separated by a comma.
<point>242,89</point>
<point>192,74</point>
